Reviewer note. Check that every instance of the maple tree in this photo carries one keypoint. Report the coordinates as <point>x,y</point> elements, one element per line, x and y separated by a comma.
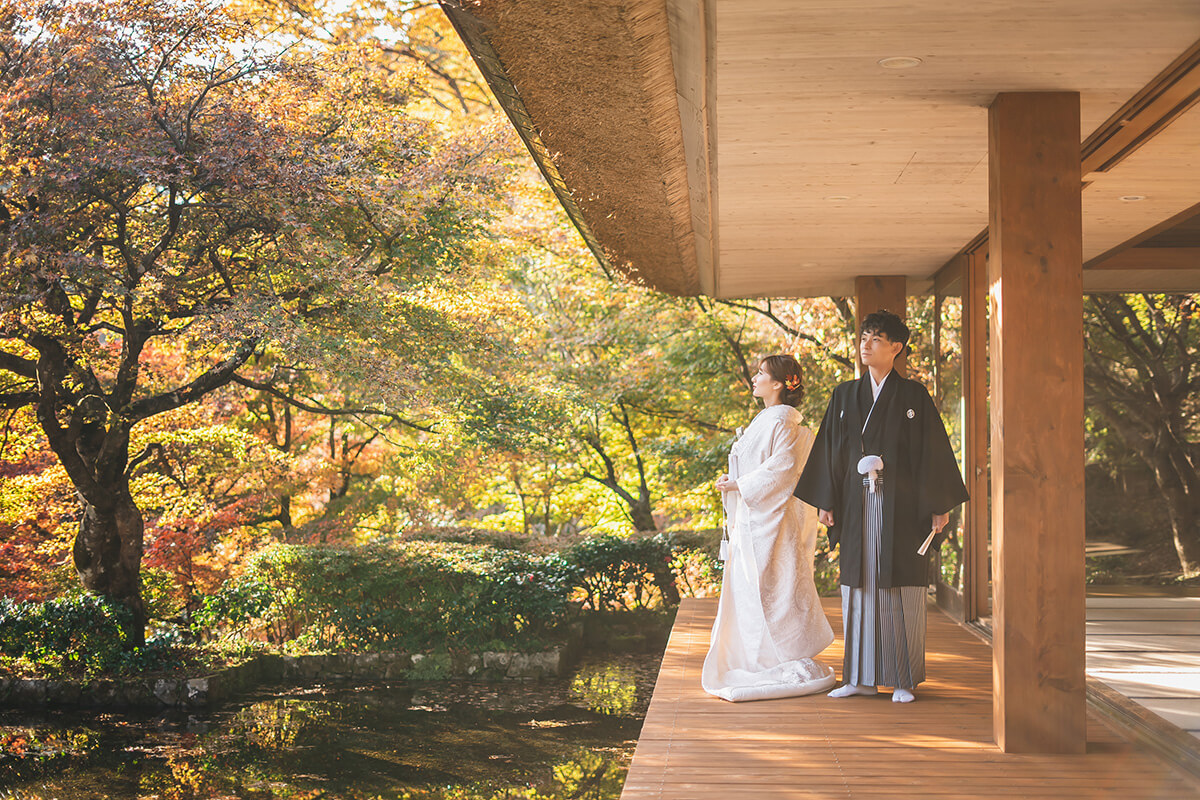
<point>170,181</point>
<point>290,280</point>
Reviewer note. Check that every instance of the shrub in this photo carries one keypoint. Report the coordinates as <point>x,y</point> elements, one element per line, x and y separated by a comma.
<point>618,573</point>
<point>698,572</point>
<point>424,594</point>
<point>74,634</point>
<point>410,596</point>
<point>158,588</point>
<point>825,568</point>
<point>79,636</point>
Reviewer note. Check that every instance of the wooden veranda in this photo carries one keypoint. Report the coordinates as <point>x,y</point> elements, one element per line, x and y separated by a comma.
<point>696,747</point>
<point>1012,155</point>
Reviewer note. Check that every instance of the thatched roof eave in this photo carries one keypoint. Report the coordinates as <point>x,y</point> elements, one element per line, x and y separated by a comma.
<point>615,132</point>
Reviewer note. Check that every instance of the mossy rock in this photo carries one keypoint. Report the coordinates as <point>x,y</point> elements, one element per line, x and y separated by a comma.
<point>431,667</point>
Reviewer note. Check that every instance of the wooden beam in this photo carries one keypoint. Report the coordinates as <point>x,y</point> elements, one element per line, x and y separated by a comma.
<point>1146,235</point>
<point>1035,271</point>
<point>948,280</point>
<point>938,297</point>
<point>1151,258</point>
<point>1172,92</point>
<point>875,292</point>
<point>1170,281</point>
<point>976,521</point>
<point>1164,99</point>
<point>694,61</point>
<point>955,264</point>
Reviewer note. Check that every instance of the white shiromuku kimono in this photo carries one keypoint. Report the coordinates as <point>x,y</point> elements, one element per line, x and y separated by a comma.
<point>770,624</point>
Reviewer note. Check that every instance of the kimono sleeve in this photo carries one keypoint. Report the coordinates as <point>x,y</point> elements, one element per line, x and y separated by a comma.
<point>819,483</point>
<point>771,481</point>
<point>939,483</point>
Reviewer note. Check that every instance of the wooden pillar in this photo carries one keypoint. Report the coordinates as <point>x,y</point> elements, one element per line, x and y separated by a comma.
<point>976,558</point>
<point>936,361</point>
<point>1035,273</point>
<point>871,293</point>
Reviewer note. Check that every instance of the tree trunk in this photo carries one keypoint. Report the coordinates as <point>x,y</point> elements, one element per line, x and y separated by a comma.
<point>525,515</point>
<point>1182,513</point>
<point>643,517</point>
<point>664,579</point>
<point>285,517</point>
<point>108,556</point>
<point>1187,540</point>
<point>1141,371</point>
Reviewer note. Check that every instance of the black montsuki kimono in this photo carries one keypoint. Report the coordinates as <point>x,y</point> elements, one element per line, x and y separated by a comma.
<point>920,475</point>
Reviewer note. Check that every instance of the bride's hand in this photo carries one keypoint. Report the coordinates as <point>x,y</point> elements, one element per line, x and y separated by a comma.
<point>726,484</point>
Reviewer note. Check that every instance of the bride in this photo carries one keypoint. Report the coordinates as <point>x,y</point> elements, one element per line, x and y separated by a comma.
<point>769,621</point>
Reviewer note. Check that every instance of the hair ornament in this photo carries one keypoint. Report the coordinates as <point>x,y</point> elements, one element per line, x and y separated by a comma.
<point>792,382</point>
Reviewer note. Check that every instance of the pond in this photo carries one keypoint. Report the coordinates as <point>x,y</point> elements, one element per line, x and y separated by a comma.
<point>569,738</point>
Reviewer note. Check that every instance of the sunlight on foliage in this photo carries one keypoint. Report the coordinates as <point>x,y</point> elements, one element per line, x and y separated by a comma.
<point>608,688</point>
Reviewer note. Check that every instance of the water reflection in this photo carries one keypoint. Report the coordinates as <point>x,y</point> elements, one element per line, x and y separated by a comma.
<point>607,687</point>
<point>443,741</point>
<point>25,749</point>
<point>591,776</point>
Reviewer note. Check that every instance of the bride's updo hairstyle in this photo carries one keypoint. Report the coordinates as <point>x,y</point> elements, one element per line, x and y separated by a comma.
<point>786,370</point>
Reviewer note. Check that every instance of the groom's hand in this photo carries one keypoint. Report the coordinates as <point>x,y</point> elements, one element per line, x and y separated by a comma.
<point>826,517</point>
<point>939,522</point>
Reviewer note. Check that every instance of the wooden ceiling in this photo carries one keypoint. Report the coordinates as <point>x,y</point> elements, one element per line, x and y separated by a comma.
<point>806,116</point>
<point>809,163</point>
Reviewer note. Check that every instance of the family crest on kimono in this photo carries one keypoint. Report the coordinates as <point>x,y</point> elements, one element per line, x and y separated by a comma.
<point>883,475</point>
<point>769,624</point>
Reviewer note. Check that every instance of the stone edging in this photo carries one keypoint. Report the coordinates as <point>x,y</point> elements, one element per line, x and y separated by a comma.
<point>201,692</point>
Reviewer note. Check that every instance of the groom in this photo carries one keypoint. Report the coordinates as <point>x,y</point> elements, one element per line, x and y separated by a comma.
<point>883,477</point>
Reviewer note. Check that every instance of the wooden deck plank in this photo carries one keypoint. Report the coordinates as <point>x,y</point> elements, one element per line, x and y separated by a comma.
<point>1150,654</point>
<point>1138,661</point>
<point>1142,643</point>
<point>1148,614</point>
<point>697,747</point>
<point>1153,684</point>
<point>1143,601</point>
<point>1143,626</point>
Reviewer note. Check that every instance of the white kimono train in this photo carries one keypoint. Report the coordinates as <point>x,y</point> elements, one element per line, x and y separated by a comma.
<point>769,623</point>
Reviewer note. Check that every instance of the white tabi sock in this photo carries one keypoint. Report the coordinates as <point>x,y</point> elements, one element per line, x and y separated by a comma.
<point>850,689</point>
<point>903,696</point>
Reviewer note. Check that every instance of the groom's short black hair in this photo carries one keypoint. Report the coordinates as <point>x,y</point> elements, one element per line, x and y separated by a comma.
<point>887,323</point>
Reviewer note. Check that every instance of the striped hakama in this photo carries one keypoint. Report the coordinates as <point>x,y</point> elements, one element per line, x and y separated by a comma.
<point>884,628</point>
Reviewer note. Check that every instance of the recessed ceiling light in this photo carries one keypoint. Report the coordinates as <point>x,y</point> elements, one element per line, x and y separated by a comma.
<point>1132,198</point>
<point>900,62</point>
<point>837,198</point>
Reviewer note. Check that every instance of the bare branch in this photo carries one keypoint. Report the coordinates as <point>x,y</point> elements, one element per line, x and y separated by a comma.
<point>318,408</point>
<point>789,330</point>
<point>16,364</point>
<point>734,344</point>
<point>15,400</point>
<point>7,430</point>
<point>214,378</point>
<point>680,415</point>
